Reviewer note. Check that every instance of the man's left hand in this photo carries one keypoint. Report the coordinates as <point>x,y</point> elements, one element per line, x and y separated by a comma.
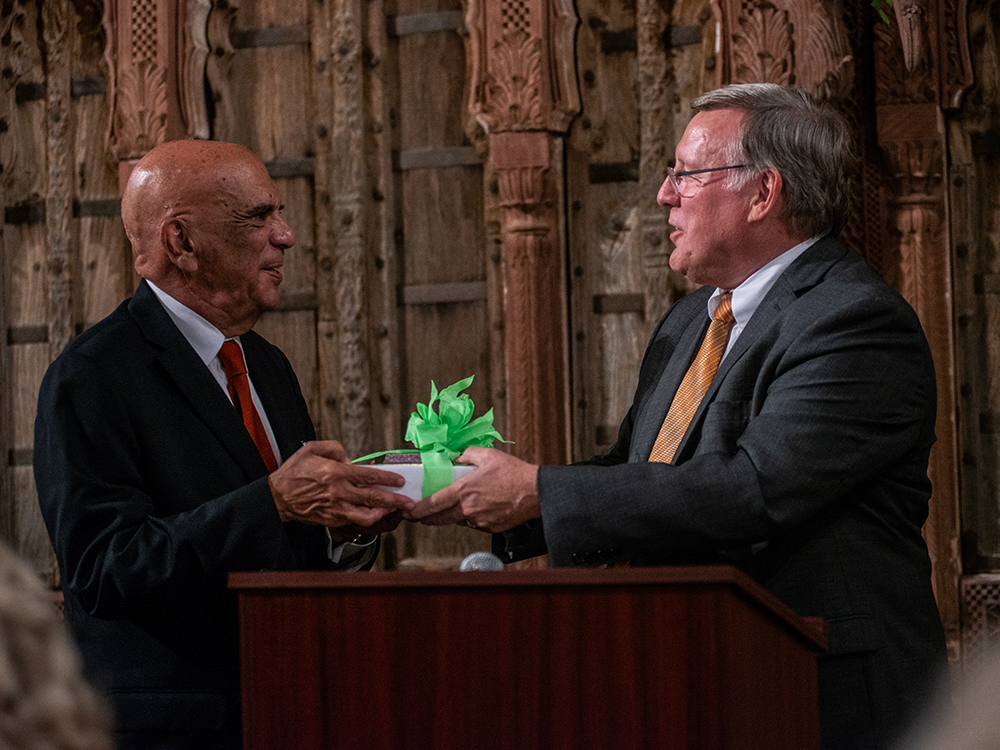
<point>500,494</point>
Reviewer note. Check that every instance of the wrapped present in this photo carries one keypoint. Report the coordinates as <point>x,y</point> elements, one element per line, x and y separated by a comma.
<point>440,430</point>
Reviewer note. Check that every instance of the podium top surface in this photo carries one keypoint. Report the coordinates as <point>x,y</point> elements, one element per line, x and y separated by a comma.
<point>695,576</point>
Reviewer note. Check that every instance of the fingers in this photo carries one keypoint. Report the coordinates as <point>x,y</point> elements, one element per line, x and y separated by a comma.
<point>313,487</point>
<point>331,449</point>
<point>475,455</point>
<point>435,504</point>
<point>363,475</point>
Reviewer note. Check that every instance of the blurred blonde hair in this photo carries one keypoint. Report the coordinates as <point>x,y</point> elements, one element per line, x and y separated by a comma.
<point>45,703</point>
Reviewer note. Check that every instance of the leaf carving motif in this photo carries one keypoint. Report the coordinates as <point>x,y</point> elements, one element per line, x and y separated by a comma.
<point>514,83</point>
<point>762,48</point>
<point>141,112</point>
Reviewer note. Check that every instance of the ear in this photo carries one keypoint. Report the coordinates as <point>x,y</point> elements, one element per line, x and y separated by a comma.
<point>177,243</point>
<point>767,199</point>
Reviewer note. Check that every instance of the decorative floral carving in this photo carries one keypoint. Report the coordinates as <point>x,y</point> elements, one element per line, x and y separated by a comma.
<point>138,54</point>
<point>514,84</point>
<point>521,65</point>
<point>762,50</point>
<point>140,117</point>
<point>786,42</point>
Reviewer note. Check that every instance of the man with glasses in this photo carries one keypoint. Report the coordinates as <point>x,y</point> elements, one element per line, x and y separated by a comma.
<point>782,421</point>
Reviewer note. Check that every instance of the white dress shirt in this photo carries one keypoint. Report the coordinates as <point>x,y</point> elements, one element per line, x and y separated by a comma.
<point>748,295</point>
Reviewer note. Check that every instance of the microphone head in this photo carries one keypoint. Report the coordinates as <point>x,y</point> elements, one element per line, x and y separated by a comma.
<point>481,561</point>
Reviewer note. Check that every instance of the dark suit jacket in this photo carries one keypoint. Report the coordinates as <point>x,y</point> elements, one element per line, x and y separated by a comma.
<point>806,463</point>
<point>153,491</point>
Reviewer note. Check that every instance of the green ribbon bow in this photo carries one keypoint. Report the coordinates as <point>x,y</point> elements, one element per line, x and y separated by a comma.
<point>441,436</point>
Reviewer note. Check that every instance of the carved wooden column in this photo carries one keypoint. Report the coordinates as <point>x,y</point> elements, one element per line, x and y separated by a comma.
<point>524,95</point>
<point>156,54</point>
<point>56,17</point>
<point>345,322</point>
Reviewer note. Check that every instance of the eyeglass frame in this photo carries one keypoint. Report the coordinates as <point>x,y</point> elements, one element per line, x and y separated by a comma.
<point>672,175</point>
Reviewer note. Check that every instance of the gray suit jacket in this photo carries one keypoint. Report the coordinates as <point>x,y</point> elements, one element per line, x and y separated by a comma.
<point>806,464</point>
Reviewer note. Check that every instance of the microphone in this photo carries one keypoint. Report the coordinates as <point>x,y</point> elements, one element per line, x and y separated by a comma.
<point>481,561</point>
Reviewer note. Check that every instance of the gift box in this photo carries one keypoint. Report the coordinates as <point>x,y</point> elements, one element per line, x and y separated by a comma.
<point>440,430</point>
<point>410,467</point>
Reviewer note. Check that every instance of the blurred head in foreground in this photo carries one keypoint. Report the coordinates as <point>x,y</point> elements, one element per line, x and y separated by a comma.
<point>45,702</point>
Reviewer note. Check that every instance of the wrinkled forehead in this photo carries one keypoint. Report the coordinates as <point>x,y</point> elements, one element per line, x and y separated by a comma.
<point>238,184</point>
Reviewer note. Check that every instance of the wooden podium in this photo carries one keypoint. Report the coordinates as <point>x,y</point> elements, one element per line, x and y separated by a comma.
<point>684,657</point>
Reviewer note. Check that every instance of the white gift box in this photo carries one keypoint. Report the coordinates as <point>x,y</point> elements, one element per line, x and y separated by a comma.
<point>414,476</point>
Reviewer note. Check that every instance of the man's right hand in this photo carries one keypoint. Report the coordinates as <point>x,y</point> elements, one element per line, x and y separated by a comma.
<point>317,484</point>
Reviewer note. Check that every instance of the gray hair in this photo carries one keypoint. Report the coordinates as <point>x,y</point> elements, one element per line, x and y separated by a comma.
<point>807,141</point>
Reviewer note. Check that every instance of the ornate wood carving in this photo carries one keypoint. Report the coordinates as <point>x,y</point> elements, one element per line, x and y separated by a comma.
<point>347,188</point>
<point>523,93</point>
<point>789,42</point>
<point>155,95</point>
<point>192,54</point>
<point>654,123</point>
<point>137,34</point>
<point>954,62</point>
<point>56,18</point>
<point>910,19</point>
<point>911,134</point>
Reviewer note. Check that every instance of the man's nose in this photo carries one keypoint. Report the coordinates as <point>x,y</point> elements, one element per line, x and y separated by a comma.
<point>667,195</point>
<point>282,235</point>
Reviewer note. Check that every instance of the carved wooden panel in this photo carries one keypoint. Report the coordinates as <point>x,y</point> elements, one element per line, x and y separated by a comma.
<point>45,85</point>
<point>789,42</point>
<point>638,66</point>
<point>443,265</point>
<point>974,156</point>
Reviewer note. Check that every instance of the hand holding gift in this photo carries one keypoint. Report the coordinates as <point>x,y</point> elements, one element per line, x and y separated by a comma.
<point>441,435</point>
<point>500,494</point>
<point>318,485</point>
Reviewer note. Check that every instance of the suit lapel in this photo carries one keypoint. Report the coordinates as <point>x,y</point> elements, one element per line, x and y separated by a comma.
<point>804,273</point>
<point>181,365</point>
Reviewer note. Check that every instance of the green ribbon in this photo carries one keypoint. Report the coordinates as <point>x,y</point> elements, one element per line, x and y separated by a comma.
<point>441,436</point>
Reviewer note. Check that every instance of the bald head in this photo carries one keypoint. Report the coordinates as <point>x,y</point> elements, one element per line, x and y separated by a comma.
<point>177,179</point>
<point>202,217</point>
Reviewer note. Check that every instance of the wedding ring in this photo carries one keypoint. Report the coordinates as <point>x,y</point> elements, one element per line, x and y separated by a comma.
<point>471,525</point>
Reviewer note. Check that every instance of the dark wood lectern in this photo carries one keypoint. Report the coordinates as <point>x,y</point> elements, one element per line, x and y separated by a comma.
<point>687,657</point>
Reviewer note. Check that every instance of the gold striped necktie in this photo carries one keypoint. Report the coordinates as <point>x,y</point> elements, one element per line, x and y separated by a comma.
<point>695,383</point>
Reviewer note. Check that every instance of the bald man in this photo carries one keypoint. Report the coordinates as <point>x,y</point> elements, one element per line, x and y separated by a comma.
<point>152,485</point>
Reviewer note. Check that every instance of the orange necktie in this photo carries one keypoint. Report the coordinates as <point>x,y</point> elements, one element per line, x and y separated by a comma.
<point>695,383</point>
<point>231,357</point>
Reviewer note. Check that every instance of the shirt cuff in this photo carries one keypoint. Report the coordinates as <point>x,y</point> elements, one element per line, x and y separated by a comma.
<point>351,555</point>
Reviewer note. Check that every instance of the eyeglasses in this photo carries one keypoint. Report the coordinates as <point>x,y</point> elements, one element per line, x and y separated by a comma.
<point>677,177</point>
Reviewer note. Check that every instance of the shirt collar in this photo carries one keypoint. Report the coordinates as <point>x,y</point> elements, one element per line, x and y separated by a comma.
<point>204,337</point>
<point>748,295</point>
